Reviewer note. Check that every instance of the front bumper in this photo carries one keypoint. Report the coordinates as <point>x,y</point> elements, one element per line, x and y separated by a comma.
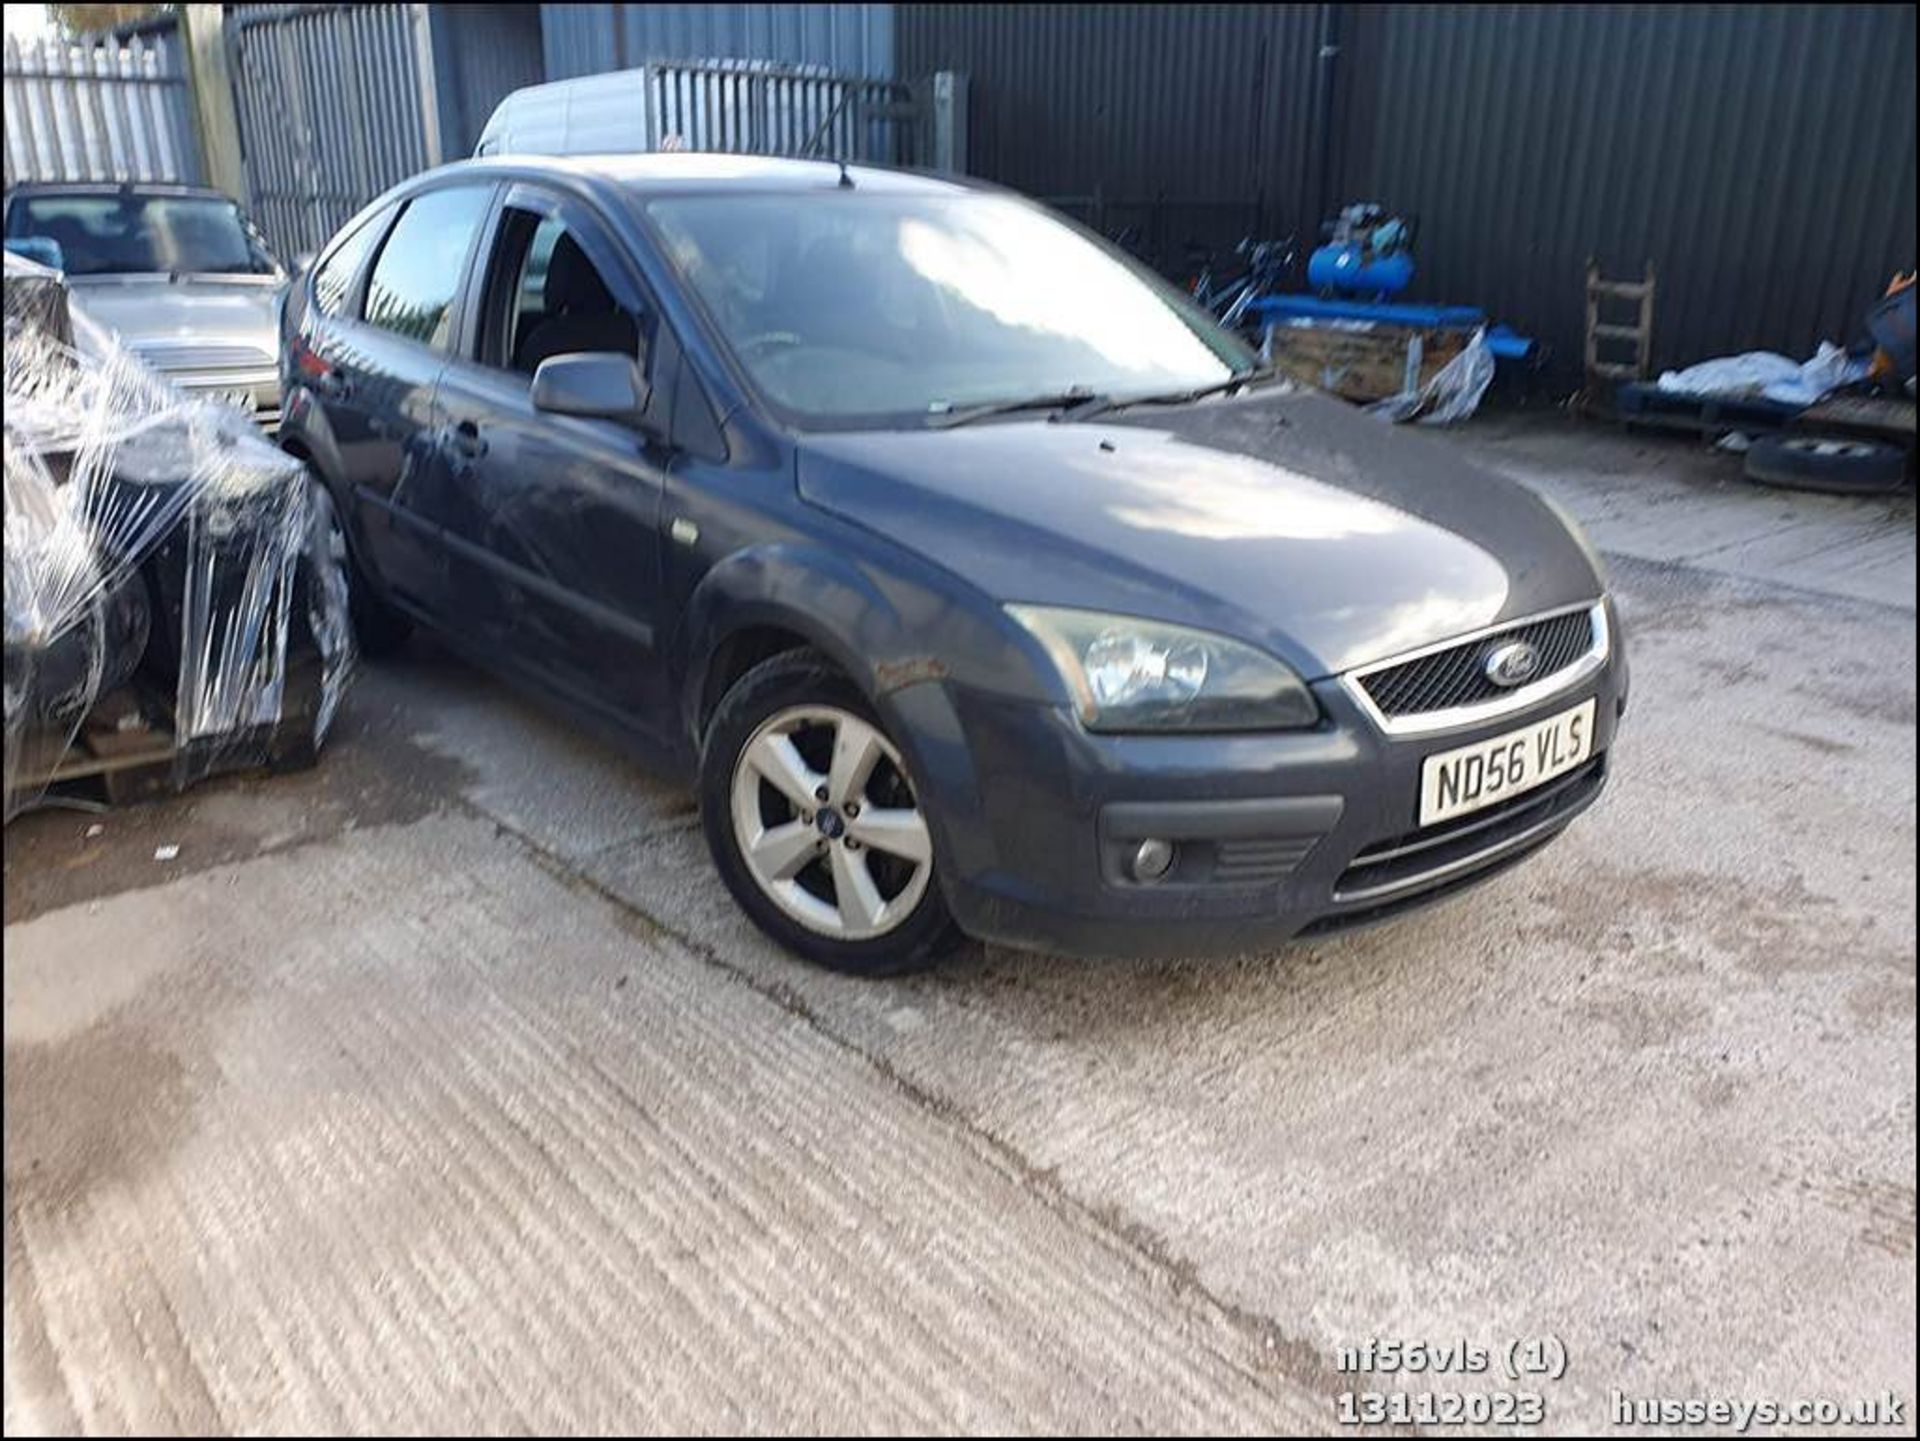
<point>1278,835</point>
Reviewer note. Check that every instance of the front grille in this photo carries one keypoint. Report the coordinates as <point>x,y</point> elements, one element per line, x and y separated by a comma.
<point>173,356</point>
<point>1356,916</point>
<point>1442,853</point>
<point>1457,676</point>
<point>256,402</point>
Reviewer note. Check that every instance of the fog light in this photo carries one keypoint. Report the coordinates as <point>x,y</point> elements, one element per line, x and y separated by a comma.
<point>1152,859</point>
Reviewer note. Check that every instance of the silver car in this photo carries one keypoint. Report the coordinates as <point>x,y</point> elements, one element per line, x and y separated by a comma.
<point>176,270</point>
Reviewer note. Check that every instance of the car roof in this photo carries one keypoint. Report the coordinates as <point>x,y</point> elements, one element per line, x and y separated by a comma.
<point>708,172</point>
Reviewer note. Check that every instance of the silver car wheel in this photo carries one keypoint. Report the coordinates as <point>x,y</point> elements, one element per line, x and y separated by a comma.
<point>828,824</point>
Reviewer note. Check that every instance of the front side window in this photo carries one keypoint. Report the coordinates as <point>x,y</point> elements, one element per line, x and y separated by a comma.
<point>546,297</point>
<point>851,307</point>
<point>128,233</point>
<point>413,283</point>
<point>333,281</point>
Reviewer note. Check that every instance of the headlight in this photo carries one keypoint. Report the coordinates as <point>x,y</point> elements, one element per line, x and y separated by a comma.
<point>1128,674</point>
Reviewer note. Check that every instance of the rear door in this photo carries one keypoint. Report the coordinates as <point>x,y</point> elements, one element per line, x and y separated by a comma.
<point>376,369</point>
<point>552,521</point>
<point>326,360</point>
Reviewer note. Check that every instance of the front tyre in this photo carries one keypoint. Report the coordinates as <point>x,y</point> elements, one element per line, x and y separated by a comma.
<point>814,822</point>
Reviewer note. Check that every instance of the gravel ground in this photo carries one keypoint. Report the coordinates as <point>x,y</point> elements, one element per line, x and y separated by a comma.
<point>442,1087</point>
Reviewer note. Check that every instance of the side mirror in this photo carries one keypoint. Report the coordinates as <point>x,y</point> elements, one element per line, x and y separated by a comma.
<point>601,383</point>
<point>41,249</point>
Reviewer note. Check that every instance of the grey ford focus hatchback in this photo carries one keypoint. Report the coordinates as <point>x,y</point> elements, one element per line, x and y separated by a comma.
<point>983,584</point>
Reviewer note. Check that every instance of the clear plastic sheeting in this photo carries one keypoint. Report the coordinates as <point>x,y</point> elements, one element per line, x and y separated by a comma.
<point>1774,377</point>
<point>174,592</point>
<point>1451,395</point>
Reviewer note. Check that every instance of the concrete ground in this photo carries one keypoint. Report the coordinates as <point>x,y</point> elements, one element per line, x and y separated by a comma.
<point>443,1087</point>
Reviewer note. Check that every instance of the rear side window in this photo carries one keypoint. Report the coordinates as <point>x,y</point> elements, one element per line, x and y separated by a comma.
<point>333,281</point>
<point>412,286</point>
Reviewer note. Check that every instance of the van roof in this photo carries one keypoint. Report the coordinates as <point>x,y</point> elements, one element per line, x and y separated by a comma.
<point>689,171</point>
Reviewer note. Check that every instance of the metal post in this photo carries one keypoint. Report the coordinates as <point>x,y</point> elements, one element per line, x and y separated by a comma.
<point>216,119</point>
<point>950,121</point>
<point>421,17</point>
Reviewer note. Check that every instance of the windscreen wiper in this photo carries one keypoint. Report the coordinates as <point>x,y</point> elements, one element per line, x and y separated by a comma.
<point>1095,405</point>
<point>1075,396</point>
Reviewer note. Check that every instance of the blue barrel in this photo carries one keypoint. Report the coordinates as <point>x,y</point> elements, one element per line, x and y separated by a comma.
<point>1346,268</point>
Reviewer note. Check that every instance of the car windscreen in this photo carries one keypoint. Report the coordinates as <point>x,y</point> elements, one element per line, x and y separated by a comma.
<point>128,233</point>
<point>848,307</point>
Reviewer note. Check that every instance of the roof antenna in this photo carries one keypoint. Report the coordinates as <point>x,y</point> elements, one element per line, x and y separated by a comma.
<point>846,180</point>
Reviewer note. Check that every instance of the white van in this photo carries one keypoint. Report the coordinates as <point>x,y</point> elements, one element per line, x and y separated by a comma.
<point>752,106</point>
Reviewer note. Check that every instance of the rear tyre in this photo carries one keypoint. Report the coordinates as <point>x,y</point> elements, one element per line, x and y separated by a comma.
<point>815,825</point>
<point>378,628</point>
<point>1836,464</point>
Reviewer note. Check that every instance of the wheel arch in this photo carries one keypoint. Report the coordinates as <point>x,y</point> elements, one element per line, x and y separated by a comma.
<point>772,596</point>
<point>768,599</point>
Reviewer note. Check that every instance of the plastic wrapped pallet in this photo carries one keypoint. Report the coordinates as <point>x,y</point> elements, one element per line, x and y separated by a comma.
<point>161,554</point>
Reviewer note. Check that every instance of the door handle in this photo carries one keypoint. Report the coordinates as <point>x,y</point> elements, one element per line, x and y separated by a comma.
<point>465,441</point>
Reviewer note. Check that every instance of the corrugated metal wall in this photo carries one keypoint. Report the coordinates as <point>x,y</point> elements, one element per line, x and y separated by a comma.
<point>1762,156</point>
<point>1195,119</point>
<point>481,53</point>
<point>589,39</point>
<point>106,110</point>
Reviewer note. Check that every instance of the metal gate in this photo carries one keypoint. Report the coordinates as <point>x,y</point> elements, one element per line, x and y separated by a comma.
<point>762,108</point>
<point>749,107</point>
<point>336,103</point>
<point>103,110</point>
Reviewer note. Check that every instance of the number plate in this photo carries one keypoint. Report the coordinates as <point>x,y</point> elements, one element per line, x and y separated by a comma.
<point>238,399</point>
<point>1457,782</point>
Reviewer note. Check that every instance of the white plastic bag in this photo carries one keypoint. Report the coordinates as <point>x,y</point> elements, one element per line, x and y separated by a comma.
<point>1763,373</point>
<point>1452,395</point>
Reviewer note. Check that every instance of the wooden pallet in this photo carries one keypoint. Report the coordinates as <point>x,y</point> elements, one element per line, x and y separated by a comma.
<point>1642,403</point>
<point>1365,361</point>
<point>120,755</point>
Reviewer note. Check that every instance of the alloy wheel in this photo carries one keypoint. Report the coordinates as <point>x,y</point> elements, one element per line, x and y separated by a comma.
<point>828,824</point>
